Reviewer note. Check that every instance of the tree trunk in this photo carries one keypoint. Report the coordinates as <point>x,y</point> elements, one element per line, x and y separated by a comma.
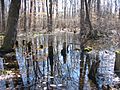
<point>82,33</point>
<point>56,9</point>
<point>50,17</point>
<point>115,7</point>
<point>82,19</point>
<point>12,22</point>
<point>31,6</point>
<point>25,19</point>
<point>70,8</point>
<point>34,16</point>
<point>65,2</point>
<point>87,16</point>
<point>119,13</point>
<point>50,38</point>
<point>43,10</point>
<point>57,24</point>
<point>47,14</point>
<point>98,7</point>
<point>89,3</point>
<point>3,15</point>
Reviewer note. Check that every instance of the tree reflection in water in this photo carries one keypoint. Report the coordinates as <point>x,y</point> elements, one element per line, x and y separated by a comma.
<point>47,69</point>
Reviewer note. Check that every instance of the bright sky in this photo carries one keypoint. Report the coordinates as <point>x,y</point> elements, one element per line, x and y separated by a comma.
<point>68,3</point>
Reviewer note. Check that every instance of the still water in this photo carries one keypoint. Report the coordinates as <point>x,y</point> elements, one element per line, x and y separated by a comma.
<point>34,69</point>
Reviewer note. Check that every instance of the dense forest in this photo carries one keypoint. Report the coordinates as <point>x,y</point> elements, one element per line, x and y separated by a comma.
<point>60,44</point>
<point>89,18</point>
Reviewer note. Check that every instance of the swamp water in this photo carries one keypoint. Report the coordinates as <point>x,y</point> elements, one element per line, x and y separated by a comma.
<point>35,70</point>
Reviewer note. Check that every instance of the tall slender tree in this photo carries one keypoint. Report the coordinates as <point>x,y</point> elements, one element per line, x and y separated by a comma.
<point>82,33</point>
<point>25,18</point>
<point>119,8</point>
<point>0,19</point>
<point>50,15</point>
<point>43,16</point>
<point>30,14</point>
<point>65,3</point>
<point>57,9</point>
<point>57,13</point>
<point>119,13</point>
<point>87,16</point>
<point>3,15</point>
<point>98,7</point>
<point>34,15</point>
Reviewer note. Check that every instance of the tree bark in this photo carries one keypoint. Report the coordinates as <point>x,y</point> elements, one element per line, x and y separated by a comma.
<point>50,17</point>
<point>82,33</point>
<point>3,15</point>
<point>87,16</point>
<point>25,19</point>
<point>82,19</point>
<point>34,16</point>
<point>43,10</point>
<point>65,2</point>
<point>57,24</point>
<point>11,28</point>
<point>98,7</point>
<point>47,14</point>
<point>119,13</point>
<point>31,6</point>
<point>56,9</point>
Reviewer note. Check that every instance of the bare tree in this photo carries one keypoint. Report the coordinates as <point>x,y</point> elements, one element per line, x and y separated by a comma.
<point>57,9</point>
<point>119,13</point>
<point>31,6</point>
<point>70,7</point>
<point>25,17</point>
<point>50,15</point>
<point>3,15</point>
<point>119,8</point>
<point>43,10</point>
<point>65,3</point>
<point>50,38</point>
<point>82,33</point>
<point>57,13</point>
<point>98,7</point>
<point>34,15</point>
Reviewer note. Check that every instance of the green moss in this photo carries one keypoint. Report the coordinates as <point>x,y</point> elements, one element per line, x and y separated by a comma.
<point>117,51</point>
<point>88,49</point>
<point>5,72</point>
<point>2,36</point>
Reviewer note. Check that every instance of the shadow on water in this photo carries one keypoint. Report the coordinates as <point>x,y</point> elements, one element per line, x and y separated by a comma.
<point>47,63</point>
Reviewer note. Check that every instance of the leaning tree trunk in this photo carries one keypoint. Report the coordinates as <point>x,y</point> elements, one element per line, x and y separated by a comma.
<point>11,29</point>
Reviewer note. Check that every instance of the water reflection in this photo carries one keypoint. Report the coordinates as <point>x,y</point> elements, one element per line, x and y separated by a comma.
<point>53,63</point>
<point>106,74</point>
<point>22,64</point>
<point>2,81</point>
